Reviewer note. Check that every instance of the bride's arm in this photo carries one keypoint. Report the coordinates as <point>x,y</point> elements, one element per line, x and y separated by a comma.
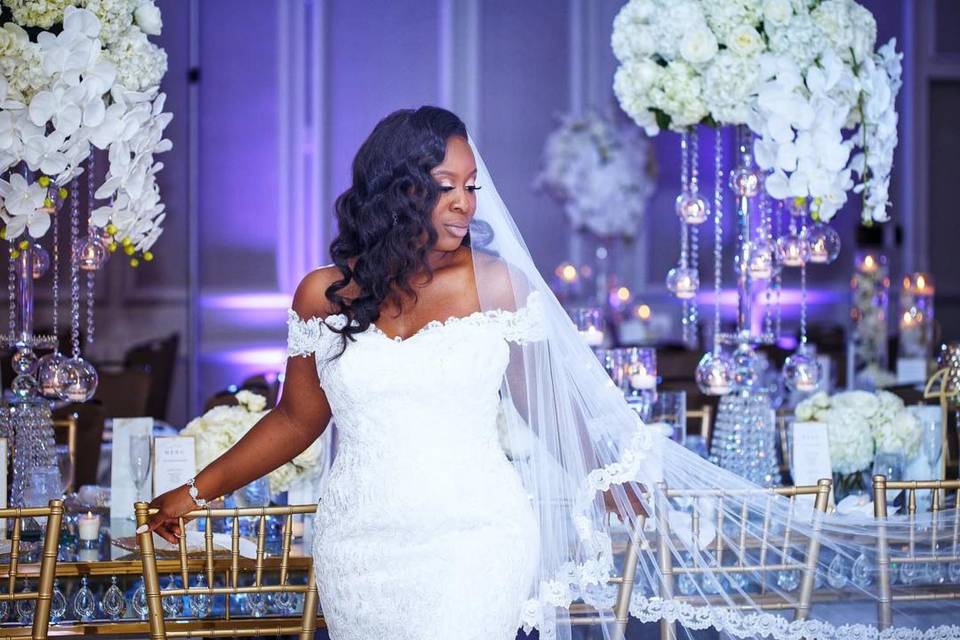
<point>284,432</point>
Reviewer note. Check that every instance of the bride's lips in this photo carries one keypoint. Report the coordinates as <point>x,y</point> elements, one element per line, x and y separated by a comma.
<point>457,230</point>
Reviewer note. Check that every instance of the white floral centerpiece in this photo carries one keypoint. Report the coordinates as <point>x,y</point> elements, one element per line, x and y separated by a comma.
<point>89,79</point>
<point>861,424</point>
<point>802,74</point>
<point>221,427</point>
<point>602,172</point>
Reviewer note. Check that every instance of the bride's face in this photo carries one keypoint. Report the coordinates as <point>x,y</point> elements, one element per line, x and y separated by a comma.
<point>456,176</point>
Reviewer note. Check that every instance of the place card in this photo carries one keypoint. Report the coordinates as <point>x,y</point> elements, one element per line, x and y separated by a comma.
<point>123,492</point>
<point>174,462</point>
<point>810,455</point>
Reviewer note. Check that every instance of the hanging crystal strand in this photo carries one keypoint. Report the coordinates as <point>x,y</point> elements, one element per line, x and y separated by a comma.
<point>765,226</point>
<point>778,274</point>
<point>12,293</point>
<point>75,269</point>
<point>803,305</point>
<point>718,175</point>
<point>693,315</point>
<point>91,234</point>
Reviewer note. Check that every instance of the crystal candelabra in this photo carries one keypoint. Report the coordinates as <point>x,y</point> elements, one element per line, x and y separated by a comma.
<point>26,414</point>
<point>745,439</point>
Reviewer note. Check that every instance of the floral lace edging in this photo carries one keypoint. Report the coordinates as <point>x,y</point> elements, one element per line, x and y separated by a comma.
<point>764,624</point>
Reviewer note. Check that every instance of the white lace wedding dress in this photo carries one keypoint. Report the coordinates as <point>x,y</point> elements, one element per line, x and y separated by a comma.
<point>424,530</point>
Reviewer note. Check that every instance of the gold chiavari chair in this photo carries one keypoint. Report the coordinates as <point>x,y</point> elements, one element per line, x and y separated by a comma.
<point>922,547</point>
<point>44,574</point>
<point>306,626</point>
<point>773,554</point>
<point>65,432</point>
<point>705,416</point>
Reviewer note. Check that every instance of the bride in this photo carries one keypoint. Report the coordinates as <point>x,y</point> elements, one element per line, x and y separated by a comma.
<point>481,445</point>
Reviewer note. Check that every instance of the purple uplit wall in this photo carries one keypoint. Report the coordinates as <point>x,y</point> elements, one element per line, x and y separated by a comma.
<point>266,178</point>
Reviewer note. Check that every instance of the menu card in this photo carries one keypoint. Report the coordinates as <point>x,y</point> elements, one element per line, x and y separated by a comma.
<point>174,462</point>
<point>811,455</point>
<point>123,492</point>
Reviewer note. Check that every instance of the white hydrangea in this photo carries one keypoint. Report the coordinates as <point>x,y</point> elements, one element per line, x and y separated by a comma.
<point>115,17</point>
<point>679,94</point>
<point>140,63</point>
<point>902,433</point>
<point>38,13</point>
<point>632,84</point>
<point>673,20</point>
<point>851,440</point>
<point>21,64</point>
<point>633,35</point>
<point>776,13</point>
<point>729,86</point>
<point>800,40</point>
<point>725,17</point>
<point>850,29</point>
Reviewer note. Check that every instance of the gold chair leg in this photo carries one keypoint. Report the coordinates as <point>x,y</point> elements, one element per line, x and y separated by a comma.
<point>48,569</point>
<point>885,595</point>
<point>151,579</point>
<point>621,609</point>
<point>813,551</point>
<point>309,623</point>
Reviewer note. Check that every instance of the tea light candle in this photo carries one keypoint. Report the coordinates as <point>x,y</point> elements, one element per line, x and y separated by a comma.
<point>642,380</point>
<point>297,526</point>
<point>89,526</point>
<point>592,336</point>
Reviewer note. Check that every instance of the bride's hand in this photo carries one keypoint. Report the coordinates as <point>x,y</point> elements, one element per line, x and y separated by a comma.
<point>171,505</point>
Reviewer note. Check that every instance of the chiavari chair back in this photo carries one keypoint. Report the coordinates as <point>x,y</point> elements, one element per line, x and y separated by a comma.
<point>756,550</point>
<point>44,572</point>
<point>918,545</point>
<point>236,571</point>
<point>705,417</point>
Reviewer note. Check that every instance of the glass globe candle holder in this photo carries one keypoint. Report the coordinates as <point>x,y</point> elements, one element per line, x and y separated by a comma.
<point>589,322</point>
<point>79,380</point>
<point>760,260</point>
<point>746,181</point>
<point>641,365</point>
<point>692,209</point>
<point>824,243</point>
<point>802,371</point>
<point>793,250</point>
<point>41,261</point>
<point>48,375</point>
<point>715,373</point>
<point>91,253</point>
<point>683,282</point>
<point>746,367</point>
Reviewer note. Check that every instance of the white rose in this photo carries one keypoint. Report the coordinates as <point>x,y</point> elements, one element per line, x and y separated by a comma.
<point>698,45</point>
<point>745,41</point>
<point>777,12</point>
<point>148,18</point>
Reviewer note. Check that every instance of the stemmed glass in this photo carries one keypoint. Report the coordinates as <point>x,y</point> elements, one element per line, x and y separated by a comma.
<point>256,494</point>
<point>141,453</point>
<point>65,465</point>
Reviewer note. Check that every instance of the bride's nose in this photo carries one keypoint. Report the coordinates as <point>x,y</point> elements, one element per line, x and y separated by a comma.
<point>460,204</point>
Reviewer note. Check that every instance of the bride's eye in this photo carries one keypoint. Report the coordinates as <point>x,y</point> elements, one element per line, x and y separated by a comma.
<point>445,188</point>
<point>473,188</point>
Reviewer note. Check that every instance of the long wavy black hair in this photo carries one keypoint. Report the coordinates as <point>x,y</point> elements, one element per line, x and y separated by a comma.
<point>385,215</point>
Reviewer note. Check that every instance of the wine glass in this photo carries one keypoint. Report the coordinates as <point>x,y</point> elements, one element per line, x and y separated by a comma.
<point>256,494</point>
<point>891,465</point>
<point>141,454</point>
<point>65,465</point>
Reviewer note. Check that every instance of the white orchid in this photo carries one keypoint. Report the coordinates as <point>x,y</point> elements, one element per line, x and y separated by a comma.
<point>24,207</point>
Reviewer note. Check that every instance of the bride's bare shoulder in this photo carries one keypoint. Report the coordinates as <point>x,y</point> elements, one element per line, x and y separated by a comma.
<point>310,299</point>
<point>502,283</point>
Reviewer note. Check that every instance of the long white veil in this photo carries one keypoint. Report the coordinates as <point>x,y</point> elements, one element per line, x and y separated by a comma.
<point>730,555</point>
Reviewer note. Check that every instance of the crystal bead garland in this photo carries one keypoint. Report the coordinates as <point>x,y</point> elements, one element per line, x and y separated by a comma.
<point>48,368</point>
<point>692,310</point>
<point>79,376</point>
<point>715,370</point>
<point>683,281</point>
<point>93,237</point>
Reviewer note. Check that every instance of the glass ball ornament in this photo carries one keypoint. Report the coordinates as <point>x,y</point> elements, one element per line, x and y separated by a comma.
<point>41,261</point>
<point>746,367</point>
<point>824,243</point>
<point>793,250</point>
<point>760,260</point>
<point>715,373</point>
<point>683,282</point>
<point>746,181</point>
<point>79,380</point>
<point>802,370</point>
<point>24,385</point>
<point>48,375</point>
<point>691,208</point>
